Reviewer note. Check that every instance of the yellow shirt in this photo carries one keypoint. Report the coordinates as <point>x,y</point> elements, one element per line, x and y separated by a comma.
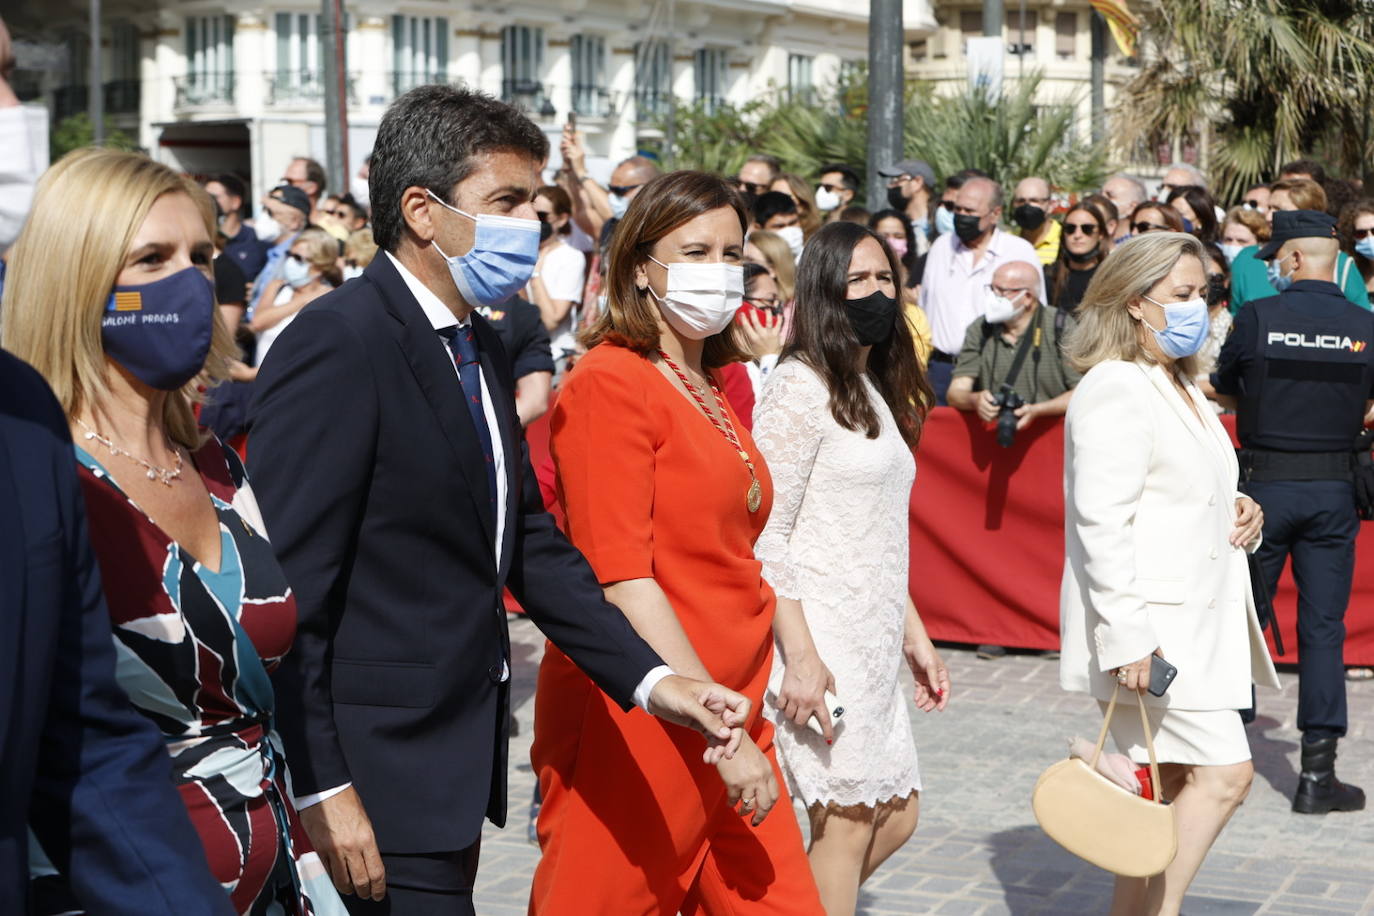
<point>920,331</point>
<point>1048,247</point>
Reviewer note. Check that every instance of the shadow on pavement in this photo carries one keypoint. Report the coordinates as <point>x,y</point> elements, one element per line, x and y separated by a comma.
<point>1271,755</point>
<point>1038,875</point>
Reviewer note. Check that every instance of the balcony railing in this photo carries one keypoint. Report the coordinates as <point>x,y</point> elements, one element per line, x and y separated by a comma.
<point>69,100</point>
<point>650,103</point>
<point>122,97</point>
<point>304,88</point>
<point>591,101</point>
<point>528,95</point>
<point>204,89</point>
<point>402,81</point>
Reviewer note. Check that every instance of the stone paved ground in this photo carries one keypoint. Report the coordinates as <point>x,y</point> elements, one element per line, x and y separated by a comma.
<point>977,849</point>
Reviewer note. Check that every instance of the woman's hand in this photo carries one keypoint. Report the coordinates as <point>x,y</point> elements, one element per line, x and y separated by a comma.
<point>761,338</point>
<point>749,781</point>
<point>1249,523</point>
<point>932,677</point>
<point>805,680</point>
<point>1136,675</point>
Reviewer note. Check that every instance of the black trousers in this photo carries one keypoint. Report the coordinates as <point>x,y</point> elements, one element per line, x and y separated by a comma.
<point>424,884</point>
<point>940,372</point>
<point>1314,522</point>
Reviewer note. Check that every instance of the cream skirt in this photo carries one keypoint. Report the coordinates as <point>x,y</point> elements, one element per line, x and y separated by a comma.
<point>1197,737</point>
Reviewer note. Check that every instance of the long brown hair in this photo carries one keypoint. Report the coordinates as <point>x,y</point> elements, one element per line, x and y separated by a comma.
<point>631,316</point>
<point>1063,263</point>
<point>824,339</point>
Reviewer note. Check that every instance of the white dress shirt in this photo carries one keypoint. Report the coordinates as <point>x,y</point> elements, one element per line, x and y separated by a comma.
<point>441,318</point>
<point>954,288</point>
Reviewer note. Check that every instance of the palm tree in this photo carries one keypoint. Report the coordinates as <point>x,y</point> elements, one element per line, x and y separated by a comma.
<point>1258,82</point>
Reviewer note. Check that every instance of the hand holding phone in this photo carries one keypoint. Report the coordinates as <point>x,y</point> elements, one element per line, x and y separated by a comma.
<point>1162,674</point>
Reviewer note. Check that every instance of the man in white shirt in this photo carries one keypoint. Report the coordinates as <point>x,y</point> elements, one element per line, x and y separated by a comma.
<point>959,268</point>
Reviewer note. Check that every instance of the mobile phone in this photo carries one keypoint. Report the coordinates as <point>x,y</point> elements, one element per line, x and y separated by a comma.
<point>832,704</point>
<point>572,119</point>
<point>1162,674</point>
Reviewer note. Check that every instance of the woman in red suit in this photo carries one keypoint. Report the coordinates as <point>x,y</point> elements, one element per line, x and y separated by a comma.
<point>665,493</point>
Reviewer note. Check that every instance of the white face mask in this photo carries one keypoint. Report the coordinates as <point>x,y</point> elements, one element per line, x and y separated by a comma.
<point>359,189</point>
<point>267,228</point>
<point>619,204</point>
<point>350,272</point>
<point>701,299</point>
<point>794,238</point>
<point>826,199</point>
<point>1000,309</point>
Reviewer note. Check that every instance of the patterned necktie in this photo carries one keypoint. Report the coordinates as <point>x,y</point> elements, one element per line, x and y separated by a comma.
<point>463,344</point>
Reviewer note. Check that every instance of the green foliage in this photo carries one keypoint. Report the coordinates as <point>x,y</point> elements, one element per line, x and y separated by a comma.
<point>1009,138</point>
<point>76,131</point>
<point>1261,82</point>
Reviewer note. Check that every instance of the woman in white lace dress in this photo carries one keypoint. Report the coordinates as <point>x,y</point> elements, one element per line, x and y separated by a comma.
<point>838,421</point>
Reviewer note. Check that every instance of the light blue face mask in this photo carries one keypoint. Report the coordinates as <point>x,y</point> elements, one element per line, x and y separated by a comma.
<point>502,258</point>
<point>944,221</point>
<point>1365,247</point>
<point>619,204</point>
<point>1231,251</point>
<point>1185,327</point>
<point>1277,278</point>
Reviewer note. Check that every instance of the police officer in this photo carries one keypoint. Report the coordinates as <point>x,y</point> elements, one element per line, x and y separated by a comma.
<point>1300,369</point>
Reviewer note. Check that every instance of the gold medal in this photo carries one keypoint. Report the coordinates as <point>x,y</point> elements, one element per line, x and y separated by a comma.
<point>755,498</point>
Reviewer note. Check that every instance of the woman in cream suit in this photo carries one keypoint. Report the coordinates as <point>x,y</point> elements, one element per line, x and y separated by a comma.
<point>1156,535</point>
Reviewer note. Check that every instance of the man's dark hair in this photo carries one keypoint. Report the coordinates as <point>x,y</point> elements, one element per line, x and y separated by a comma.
<point>351,202</point>
<point>429,138</point>
<point>848,176</point>
<point>855,214</point>
<point>770,203</point>
<point>235,188</point>
<point>958,179</point>
<point>315,172</point>
<point>1309,167</point>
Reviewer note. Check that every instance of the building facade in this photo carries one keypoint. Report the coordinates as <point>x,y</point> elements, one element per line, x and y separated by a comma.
<point>216,86</point>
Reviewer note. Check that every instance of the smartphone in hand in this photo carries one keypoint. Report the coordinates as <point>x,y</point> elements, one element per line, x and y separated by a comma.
<point>1162,674</point>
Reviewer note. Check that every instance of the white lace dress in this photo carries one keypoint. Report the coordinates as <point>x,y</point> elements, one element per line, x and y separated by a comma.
<point>837,542</point>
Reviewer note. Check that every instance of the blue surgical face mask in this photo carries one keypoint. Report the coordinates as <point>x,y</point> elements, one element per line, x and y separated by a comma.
<point>296,273</point>
<point>1277,278</point>
<point>160,331</point>
<point>501,260</point>
<point>944,221</point>
<point>1365,247</point>
<point>1231,251</point>
<point>619,204</point>
<point>1186,325</point>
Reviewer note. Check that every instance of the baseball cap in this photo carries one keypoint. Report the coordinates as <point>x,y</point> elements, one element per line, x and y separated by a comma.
<point>917,168</point>
<point>292,196</point>
<point>1297,224</point>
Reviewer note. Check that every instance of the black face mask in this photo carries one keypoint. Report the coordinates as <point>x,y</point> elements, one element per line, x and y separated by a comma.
<point>1217,290</point>
<point>967,227</point>
<point>1082,257</point>
<point>545,230</point>
<point>872,317</point>
<point>1029,217</point>
<point>895,200</point>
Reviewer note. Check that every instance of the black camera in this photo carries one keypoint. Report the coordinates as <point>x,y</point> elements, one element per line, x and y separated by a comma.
<point>1008,402</point>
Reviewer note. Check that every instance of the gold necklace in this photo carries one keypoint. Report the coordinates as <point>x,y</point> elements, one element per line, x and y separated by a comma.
<point>753,498</point>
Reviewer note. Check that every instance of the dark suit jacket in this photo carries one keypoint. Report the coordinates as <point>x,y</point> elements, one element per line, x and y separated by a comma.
<point>77,762</point>
<point>373,487</point>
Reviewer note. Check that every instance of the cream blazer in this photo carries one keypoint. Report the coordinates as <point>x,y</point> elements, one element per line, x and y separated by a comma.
<point>1149,502</point>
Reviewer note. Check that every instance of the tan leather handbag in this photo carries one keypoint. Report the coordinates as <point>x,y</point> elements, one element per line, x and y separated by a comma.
<point>1099,821</point>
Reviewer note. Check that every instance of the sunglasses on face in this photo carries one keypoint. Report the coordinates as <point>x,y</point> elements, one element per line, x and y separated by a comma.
<point>1142,228</point>
<point>833,188</point>
<point>1363,233</point>
<point>350,262</point>
<point>749,187</point>
<point>947,204</point>
<point>1252,204</point>
<point>299,259</point>
<point>337,214</point>
<point>767,305</point>
<point>620,190</point>
<point>1088,229</point>
<point>543,215</point>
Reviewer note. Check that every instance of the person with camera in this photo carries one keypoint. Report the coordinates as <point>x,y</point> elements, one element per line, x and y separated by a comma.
<point>991,377</point>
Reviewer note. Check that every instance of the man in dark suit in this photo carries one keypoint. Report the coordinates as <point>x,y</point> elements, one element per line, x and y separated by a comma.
<point>395,483</point>
<point>78,765</point>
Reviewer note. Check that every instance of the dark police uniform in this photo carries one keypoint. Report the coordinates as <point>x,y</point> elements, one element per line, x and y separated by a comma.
<point>1301,365</point>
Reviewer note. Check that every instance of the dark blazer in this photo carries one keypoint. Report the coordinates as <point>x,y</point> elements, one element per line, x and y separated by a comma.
<point>373,487</point>
<point>77,763</point>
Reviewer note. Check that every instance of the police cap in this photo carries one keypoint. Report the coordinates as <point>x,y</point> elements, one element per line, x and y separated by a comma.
<point>1297,224</point>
